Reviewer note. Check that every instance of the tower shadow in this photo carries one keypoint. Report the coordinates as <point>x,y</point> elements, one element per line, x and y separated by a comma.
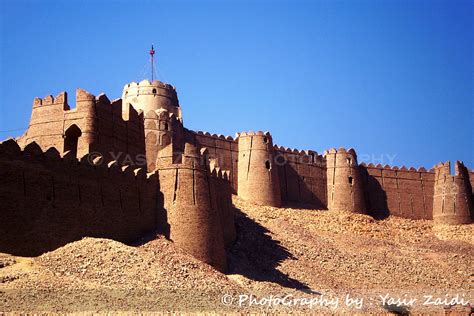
<point>256,255</point>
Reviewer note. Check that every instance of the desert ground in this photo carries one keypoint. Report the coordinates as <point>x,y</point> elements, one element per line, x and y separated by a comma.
<point>288,259</point>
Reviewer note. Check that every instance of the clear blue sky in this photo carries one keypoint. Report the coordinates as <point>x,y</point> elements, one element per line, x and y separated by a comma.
<point>389,78</point>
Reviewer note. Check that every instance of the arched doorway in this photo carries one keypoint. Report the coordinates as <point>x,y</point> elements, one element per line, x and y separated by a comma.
<point>71,138</point>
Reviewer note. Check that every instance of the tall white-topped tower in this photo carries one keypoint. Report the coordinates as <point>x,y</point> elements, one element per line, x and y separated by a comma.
<point>151,96</point>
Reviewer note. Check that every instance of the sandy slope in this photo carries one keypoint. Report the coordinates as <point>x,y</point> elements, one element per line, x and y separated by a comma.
<point>298,253</point>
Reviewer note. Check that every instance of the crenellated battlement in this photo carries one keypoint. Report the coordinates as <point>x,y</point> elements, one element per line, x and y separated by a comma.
<point>34,153</point>
<point>396,168</point>
<point>220,174</point>
<point>96,124</point>
<point>191,158</point>
<point>442,172</point>
<point>60,99</point>
<point>84,100</point>
<point>216,136</point>
<point>444,169</point>
<point>154,95</point>
<point>309,157</point>
<point>446,164</point>
<point>252,133</point>
<point>160,114</point>
<point>452,200</point>
<point>154,89</point>
<point>341,150</point>
<point>147,83</point>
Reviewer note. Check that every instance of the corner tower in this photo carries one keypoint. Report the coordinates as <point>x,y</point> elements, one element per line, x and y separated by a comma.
<point>258,180</point>
<point>452,199</point>
<point>194,221</point>
<point>344,184</point>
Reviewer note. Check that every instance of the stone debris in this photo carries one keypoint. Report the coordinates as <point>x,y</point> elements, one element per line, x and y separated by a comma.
<point>6,260</point>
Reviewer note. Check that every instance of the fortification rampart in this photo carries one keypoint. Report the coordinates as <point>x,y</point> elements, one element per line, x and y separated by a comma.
<point>95,125</point>
<point>191,204</point>
<point>452,200</point>
<point>47,200</point>
<point>398,191</point>
<point>302,176</point>
<point>223,153</point>
<point>221,192</point>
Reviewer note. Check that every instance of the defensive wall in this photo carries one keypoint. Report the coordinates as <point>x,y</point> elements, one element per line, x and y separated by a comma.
<point>49,197</point>
<point>196,212</point>
<point>333,180</point>
<point>404,192</point>
<point>223,153</point>
<point>95,125</point>
<point>302,176</point>
<point>48,200</point>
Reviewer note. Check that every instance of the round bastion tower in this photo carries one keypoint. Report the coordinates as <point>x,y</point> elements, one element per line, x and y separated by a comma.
<point>161,113</point>
<point>258,180</point>
<point>151,96</point>
<point>344,184</point>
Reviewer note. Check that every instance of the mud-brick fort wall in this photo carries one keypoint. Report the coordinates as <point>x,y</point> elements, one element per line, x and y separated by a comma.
<point>95,125</point>
<point>48,200</point>
<point>196,220</point>
<point>302,176</point>
<point>452,200</point>
<point>221,193</point>
<point>397,191</point>
<point>223,153</point>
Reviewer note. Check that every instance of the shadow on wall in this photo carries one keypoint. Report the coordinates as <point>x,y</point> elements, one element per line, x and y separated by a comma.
<point>256,255</point>
<point>47,201</point>
<point>376,199</point>
<point>295,188</point>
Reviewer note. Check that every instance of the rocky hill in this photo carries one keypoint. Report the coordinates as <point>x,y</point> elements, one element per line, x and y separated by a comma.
<point>288,258</point>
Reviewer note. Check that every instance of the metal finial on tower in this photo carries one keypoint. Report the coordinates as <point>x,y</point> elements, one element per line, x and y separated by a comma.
<point>152,53</point>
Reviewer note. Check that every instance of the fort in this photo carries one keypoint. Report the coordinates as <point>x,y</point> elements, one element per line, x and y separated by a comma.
<point>122,169</point>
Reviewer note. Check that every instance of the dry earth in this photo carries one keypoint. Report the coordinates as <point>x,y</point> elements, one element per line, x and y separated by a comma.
<point>318,257</point>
